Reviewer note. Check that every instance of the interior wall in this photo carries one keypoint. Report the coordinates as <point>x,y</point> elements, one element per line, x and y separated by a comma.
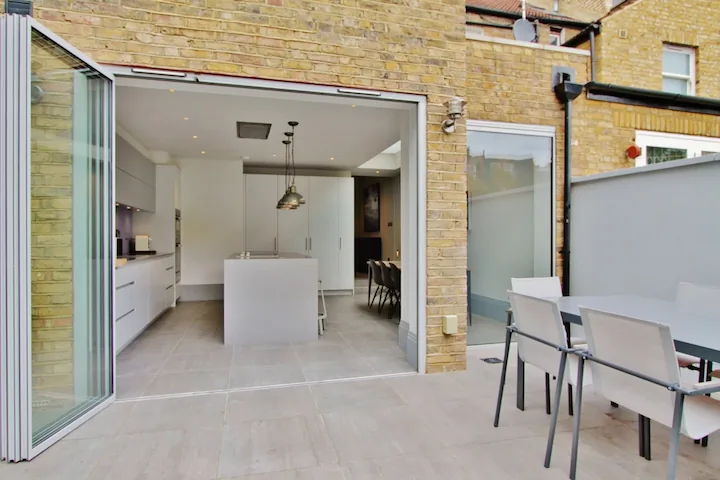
<point>389,213</point>
<point>213,196</point>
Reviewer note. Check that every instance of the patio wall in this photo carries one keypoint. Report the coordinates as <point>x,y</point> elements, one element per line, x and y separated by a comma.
<point>643,230</point>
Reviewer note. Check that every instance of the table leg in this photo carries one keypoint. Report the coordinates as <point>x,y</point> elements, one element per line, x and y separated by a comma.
<point>520,384</point>
<point>570,388</point>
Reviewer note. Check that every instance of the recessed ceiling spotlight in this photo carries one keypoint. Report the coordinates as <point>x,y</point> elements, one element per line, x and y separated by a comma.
<point>194,136</point>
<point>129,208</point>
<point>172,90</point>
<point>274,155</point>
<point>353,106</point>
<point>186,118</point>
<point>138,209</point>
<point>377,171</point>
<point>332,158</point>
<point>246,157</point>
<point>203,152</point>
<point>117,204</point>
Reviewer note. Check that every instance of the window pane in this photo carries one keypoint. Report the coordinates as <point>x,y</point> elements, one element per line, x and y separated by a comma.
<point>510,210</point>
<point>676,62</point>
<point>660,154</point>
<point>708,153</point>
<point>675,85</point>
<point>70,200</point>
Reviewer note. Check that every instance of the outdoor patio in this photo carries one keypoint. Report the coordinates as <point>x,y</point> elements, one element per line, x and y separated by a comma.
<point>403,427</point>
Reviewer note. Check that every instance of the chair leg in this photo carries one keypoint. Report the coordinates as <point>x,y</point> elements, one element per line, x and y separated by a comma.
<point>382,304</point>
<point>706,377</point>
<point>646,440</point>
<point>570,388</point>
<point>578,415</point>
<point>556,408</point>
<point>701,378</point>
<point>641,435</point>
<point>371,302</point>
<point>675,436</point>
<point>548,410</point>
<point>501,389</point>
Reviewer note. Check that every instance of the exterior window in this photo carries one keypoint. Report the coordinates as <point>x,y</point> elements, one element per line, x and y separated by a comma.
<point>659,147</point>
<point>557,36</point>
<point>511,211</point>
<point>678,70</point>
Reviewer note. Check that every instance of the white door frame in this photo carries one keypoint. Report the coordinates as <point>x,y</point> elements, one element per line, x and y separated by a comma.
<point>417,192</point>
<point>16,442</point>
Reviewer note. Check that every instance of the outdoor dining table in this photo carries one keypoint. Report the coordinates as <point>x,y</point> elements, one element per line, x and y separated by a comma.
<point>695,333</point>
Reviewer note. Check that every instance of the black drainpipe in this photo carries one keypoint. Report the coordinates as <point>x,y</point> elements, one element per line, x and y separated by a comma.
<point>567,91</point>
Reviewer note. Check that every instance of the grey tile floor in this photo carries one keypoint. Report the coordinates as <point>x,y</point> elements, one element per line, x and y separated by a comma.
<point>419,427</point>
<point>183,352</point>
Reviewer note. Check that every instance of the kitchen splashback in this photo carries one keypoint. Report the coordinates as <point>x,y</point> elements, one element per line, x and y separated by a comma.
<point>124,223</point>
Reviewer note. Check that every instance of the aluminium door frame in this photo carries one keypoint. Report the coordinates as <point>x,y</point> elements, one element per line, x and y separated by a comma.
<point>417,190</point>
<point>16,442</point>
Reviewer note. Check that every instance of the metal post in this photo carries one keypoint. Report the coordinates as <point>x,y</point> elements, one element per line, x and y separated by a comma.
<point>641,436</point>
<point>506,357</point>
<point>578,408</point>
<point>646,441</point>
<point>520,384</point>
<point>548,410</point>
<point>556,408</point>
<point>675,436</point>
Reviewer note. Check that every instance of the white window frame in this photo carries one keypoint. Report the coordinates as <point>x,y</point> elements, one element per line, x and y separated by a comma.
<point>694,145</point>
<point>530,130</point>
<point>558,33</point>
<point>690,79</point>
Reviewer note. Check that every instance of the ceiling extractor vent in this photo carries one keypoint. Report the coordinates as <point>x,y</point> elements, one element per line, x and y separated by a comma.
<point>258,131</point>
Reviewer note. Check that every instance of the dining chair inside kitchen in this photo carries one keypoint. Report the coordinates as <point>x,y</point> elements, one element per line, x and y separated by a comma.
<point>377,278</point>
<point>323,315</point>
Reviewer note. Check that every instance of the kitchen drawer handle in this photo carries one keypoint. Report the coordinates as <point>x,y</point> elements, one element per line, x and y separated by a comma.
<point>168,287</point>
<point>125,315</point>
<point>169,268</point>
<point>125,286</point>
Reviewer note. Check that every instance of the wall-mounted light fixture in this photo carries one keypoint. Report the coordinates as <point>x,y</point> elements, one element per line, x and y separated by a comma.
<point>455,108</point>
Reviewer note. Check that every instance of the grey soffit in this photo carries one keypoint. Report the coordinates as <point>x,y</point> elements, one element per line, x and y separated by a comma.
<point>256,131</point>
<point>20,7</point>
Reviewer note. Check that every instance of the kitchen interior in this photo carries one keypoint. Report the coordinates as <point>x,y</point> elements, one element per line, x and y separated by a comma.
<point>245,220</point>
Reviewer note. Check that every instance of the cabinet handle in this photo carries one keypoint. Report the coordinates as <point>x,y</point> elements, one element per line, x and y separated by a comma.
<point>340,243</point>
<point>310,243</point>
<point>275,244</point>
<point>125,286</point>
<point>125,315</point>
<point>169,268</point>
<point>168,287</point>
<point>306,244</point>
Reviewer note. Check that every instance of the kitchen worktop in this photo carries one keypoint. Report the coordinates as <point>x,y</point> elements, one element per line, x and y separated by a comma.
<point>266,256</point>
<point>141,259</point>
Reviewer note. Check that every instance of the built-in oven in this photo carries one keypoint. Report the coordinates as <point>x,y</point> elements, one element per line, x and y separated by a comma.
<point>178,246</point>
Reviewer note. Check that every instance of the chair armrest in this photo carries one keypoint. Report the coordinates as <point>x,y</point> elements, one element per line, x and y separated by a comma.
<point>704,388</point>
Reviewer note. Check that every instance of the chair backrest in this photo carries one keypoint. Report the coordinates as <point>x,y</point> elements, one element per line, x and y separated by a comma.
<point>542,287</point>
<point>540,318</point>
<point>387,278</point>
<point>698,298</point>
<point>395,275</point>
<point>639,346</point>
<point>376,272</point>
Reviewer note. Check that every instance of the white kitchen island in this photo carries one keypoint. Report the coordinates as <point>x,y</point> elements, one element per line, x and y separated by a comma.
<point>270,298</point>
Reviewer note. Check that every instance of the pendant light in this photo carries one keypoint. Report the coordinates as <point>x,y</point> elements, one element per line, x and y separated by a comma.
<point>291,199</point>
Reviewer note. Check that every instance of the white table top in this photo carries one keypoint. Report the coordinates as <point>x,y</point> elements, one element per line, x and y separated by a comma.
<point>694,333</point>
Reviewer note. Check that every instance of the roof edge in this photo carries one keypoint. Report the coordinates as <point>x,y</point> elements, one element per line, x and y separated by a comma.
<point>546,21</point>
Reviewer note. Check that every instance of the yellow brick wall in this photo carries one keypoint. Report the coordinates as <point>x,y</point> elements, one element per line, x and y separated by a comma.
<point>636,61</point>
<point>414,47</point>
<point>512,83</point>
<point>51,229</point>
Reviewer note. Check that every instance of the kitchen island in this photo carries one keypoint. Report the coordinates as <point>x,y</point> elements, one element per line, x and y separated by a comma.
<point>270,298</point>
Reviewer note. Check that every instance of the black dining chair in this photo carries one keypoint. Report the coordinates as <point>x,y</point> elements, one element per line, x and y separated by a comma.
<point>395,276</point>
<point>378,279</point>
<point>387,281</point>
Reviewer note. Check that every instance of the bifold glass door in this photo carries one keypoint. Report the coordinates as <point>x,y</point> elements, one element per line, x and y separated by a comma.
<point>56,330</point>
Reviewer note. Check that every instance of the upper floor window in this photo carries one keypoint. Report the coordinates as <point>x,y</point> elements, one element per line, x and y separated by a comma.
<point>678,70</point>
<point>557,36</point>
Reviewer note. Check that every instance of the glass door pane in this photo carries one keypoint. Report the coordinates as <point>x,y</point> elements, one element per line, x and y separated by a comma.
<point>510,223</point>
<point>70,224</point>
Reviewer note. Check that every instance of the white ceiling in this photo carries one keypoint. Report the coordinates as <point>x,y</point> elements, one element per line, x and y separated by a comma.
<point>349,130</point>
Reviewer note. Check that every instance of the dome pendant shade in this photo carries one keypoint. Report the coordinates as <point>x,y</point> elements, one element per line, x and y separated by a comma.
<point>291,200</point>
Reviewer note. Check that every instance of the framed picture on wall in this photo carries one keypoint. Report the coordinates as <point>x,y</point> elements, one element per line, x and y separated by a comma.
<point>371,214</point>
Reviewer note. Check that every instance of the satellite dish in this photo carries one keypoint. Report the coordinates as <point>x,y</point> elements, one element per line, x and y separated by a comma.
<point>524,30</point>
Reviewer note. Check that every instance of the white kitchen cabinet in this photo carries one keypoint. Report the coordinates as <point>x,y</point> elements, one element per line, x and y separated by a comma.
<point>131,191</point>
<point>261,219</point>
<point>346,232</point>
<point>143,291</point>
<point>294,225</point>
<point>324,228</point>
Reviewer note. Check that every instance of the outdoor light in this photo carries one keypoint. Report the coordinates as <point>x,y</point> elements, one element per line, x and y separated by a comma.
<point>454,111</point>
